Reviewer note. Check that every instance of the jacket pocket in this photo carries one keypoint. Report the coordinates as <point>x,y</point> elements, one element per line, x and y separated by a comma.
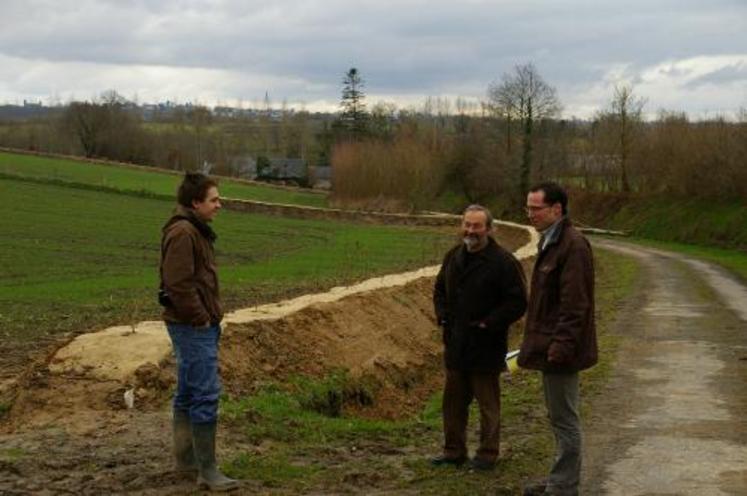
<point>207,308</point>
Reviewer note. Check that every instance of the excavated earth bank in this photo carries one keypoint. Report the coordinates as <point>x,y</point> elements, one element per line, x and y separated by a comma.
<point>382,330</point>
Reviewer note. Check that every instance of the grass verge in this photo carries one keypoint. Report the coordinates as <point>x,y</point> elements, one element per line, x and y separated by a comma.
<point>732,260</point>
<point>294,447</point>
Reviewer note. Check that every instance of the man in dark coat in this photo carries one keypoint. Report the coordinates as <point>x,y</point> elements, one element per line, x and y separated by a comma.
<point>479,292</point>
<point>560,335</point>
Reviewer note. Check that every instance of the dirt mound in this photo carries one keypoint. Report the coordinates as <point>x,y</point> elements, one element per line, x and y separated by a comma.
<point>380,331</point>
<point>387,337</point>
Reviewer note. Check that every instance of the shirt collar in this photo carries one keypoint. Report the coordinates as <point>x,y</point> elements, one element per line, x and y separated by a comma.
<point>552,233</point>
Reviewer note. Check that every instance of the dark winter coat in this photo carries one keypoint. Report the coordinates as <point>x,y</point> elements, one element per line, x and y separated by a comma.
<point>560,316</point>
<point>188,271</point>
<point>476,304</point>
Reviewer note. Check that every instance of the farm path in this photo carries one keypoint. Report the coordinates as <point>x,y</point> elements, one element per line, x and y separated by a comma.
<point>671,421</point>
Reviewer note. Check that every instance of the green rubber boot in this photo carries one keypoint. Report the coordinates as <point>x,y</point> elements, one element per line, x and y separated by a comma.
<point>184,455</point>
<point>203,438</point>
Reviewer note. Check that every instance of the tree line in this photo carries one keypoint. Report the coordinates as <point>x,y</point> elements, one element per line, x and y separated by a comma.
<point>448,155</point>
<point>439,156</point>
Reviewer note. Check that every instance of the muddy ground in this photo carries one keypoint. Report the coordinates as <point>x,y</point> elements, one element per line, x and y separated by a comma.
<point>70,433</point>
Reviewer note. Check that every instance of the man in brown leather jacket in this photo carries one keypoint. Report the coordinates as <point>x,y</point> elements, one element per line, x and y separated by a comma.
<point>560,334</point>
<point>192,311</point>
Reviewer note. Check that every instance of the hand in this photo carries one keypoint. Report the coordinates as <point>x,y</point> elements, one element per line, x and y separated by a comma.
<point>557,354</point>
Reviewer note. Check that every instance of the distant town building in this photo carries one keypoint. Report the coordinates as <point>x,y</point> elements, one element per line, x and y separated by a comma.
<point>284,169</point>
<point>320,177</point>
<point>244,166</point>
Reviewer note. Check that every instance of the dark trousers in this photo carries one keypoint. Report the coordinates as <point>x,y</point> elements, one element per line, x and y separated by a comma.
<point>561,399</point>
<point>460,388</point>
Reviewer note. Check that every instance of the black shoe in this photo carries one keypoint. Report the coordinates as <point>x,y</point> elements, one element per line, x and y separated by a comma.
<point>481,465</point>
<point>442,460</point>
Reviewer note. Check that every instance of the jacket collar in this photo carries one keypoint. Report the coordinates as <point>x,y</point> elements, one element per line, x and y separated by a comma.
<point>183,213</point>
<point>553,233</point>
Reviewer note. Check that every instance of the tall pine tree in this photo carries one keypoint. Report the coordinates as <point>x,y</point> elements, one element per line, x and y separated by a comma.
<point>353,120</point>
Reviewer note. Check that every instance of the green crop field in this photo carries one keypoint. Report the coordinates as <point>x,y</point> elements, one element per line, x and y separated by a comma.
<point>136,180</point>
<point>74,259</point>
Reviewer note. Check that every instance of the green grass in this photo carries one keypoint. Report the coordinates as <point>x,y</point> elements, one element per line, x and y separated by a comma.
<point>137,180</point>
<point>692,221</point>
<point>73,259</point>
<point>616,277</point>
<point>11,454</point>
<point>298,449</point>
<point>308,450</point>
<point>734,261</point>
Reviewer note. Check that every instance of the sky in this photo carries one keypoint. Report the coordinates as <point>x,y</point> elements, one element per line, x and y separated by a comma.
<point>679,55</point>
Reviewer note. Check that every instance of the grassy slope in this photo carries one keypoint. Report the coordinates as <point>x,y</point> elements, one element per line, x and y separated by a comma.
<point>132,179</point>
<point>78,259</point>
<point>667,218</point>
<point>305,451</point>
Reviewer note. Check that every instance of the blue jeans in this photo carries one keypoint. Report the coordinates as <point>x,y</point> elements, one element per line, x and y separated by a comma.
<point>197,383</point>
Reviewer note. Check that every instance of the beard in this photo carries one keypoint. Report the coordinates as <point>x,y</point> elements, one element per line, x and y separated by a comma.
<point>471,241</point>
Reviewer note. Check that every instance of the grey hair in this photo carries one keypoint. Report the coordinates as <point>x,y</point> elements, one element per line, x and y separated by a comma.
<point>479,208</point>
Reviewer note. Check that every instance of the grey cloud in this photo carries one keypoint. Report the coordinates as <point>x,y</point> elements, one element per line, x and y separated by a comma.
<point>407,47</point>
<point>726,75</point>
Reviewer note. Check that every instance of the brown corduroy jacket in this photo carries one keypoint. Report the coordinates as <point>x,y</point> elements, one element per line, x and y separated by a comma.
<point>560,316</point>
<point>188,271</point>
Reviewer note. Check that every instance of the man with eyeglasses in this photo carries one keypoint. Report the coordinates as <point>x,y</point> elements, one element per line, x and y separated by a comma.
<point>559,334</point>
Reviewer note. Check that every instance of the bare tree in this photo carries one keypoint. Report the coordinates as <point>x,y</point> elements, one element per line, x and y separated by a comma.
<point>200,118</point>
<point>624,117</point>
<point>105,128</point>
<point>523,97</point>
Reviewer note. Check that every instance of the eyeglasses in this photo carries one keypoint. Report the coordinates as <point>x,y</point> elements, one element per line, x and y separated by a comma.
<point>534,208</point>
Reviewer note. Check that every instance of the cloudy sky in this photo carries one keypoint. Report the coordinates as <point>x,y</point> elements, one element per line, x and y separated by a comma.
<point>683,55</point>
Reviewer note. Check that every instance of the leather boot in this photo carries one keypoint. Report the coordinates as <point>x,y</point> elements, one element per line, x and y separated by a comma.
<point>184,455</point>
<point>203,438</point>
